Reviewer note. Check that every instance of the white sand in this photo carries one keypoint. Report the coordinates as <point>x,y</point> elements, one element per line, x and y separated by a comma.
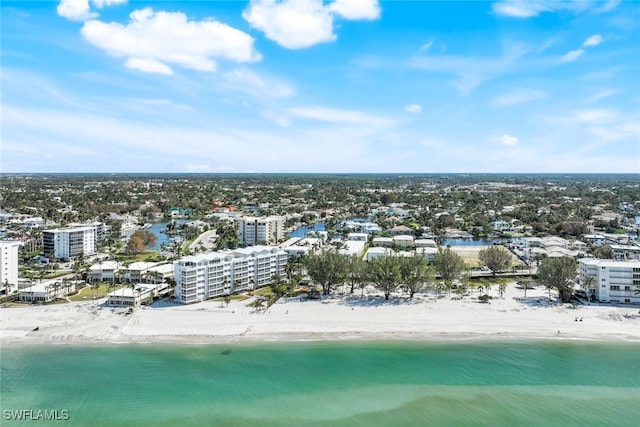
<point>337,318</point>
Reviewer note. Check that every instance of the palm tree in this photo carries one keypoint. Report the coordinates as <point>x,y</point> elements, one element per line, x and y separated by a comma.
<point>46,293</point>
<point>589,281</point>
<point>56,288</point>
<point>95,287</point>
<point>524,282</point>
<point>134,289</point>
<point>502,287</point>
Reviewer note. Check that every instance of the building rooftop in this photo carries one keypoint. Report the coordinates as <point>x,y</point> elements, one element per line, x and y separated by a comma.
<point>609,262</point>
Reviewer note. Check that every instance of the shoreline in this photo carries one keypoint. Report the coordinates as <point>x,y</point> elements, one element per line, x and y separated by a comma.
<point>322,338</point>
<point>338,318</point>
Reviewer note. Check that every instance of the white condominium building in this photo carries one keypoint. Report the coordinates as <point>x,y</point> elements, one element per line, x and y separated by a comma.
<point>9,266</point>
<point>264,230</point>
<point>611,281</point>
<point>203,276</point>
<point>68,243</point>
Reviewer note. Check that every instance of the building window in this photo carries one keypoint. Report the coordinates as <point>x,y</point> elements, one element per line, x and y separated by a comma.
<point>615,288</point>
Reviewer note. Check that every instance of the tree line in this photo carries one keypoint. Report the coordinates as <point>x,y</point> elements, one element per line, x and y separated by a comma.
<point>413,274</point>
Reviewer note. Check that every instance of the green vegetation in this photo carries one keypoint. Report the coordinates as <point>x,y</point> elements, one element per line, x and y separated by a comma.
<point>415,274</point>
<point>328,269</point>
<point>263,292</point>
<point>559,274</point>
<point>449,265</point>
<point>384,273</point>
<point>497,258</point>
<point>89,293</point>
<point>235,297</point>
<point>138,257</point>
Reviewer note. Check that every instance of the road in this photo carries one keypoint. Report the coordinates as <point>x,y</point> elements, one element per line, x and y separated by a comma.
<point>205,239</point>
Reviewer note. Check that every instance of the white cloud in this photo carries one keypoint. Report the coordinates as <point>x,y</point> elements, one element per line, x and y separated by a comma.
<point>610,5</point>
<point>594,40</point>
<point>79,10</point>
<point>102,3</point>
<point>148,66</point>
<point>151,41</point>
<point>626,131</point>
<point>333,115</point>
<point>572,55</point>
<point>595,116</point>
<point>505,139</point>
<point>518,9</point>
<point>257,85</point>
<point>425,47</point>
<point>518,96</point>
<point>75,10</point>
<point>603,94</point>
<point>281,119</point>
<point>148,145</point>
<point>531,8</point>
<point>297,24</point>
<point>294,24</point>
<point>412,108</point>
<point>356,9</point>
<point>470,71</point>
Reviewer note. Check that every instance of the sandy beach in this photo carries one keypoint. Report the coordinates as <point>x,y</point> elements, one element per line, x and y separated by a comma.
<point>338,317</point>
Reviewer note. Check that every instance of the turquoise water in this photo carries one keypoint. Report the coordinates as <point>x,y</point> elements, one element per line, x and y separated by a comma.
<point>327,384</point>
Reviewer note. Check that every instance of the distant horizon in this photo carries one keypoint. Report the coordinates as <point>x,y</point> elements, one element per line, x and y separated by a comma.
<point>367,86</point>
<point>334,173</point>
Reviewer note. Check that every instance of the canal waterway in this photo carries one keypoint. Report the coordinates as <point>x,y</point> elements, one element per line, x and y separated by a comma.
<point>158,229</point>
<point>302,231</point>
<point>470,242</point>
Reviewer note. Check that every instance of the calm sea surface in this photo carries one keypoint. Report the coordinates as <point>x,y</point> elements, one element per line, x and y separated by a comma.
<point>327,384</point>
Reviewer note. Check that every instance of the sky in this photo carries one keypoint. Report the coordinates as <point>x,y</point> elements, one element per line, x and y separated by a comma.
<point>344,86</point>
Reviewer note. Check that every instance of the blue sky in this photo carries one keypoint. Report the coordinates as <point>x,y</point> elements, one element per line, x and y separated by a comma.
<point>313,86</point>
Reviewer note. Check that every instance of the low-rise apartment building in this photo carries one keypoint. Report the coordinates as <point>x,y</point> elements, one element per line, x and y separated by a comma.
<point>609,280</point>
<point>203,276</point>
<point>141,293</point>
<point>622,252</point>
<point>47,291</point>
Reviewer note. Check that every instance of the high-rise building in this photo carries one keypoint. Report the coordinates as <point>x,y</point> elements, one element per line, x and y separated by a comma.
<point>9,266</point>
<point>203,276</point>
<point>257,231</point>
<point>610,281</point>
<point>70,242</point>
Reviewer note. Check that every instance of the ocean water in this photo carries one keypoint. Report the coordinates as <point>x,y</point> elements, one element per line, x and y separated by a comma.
<point>326,384</point>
